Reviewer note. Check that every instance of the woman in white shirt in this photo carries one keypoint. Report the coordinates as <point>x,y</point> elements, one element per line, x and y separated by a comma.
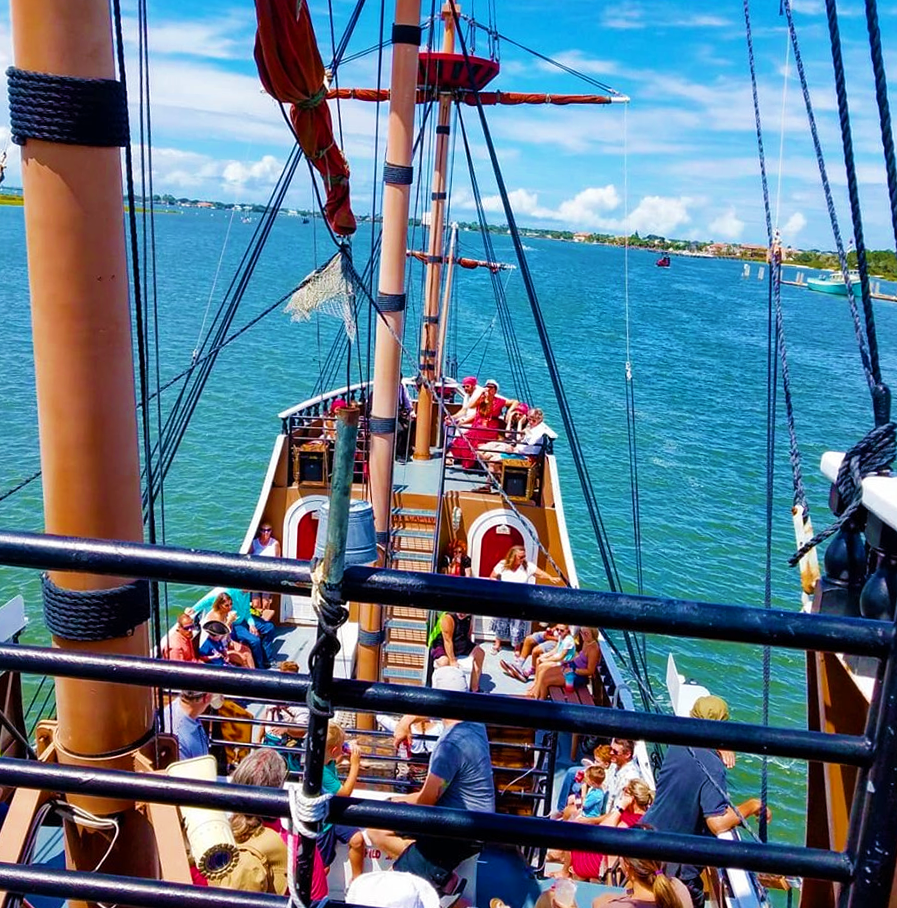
<point>515,569</point>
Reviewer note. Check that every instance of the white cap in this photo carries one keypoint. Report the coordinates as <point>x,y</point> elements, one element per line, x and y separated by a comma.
<point>392,889</point>
<point>492,381</point>
<point>448,677</point>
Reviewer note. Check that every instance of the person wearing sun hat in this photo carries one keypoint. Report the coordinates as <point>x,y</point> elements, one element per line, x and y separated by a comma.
<point>392,889</point>
<point>693,797</point>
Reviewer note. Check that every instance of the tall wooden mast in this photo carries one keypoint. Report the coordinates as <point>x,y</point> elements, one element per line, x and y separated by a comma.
<point>398,175</point>
<point>78,269</point>
<point>429,326</point>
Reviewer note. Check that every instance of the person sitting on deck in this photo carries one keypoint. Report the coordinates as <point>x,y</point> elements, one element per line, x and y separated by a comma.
<point>537,645</point>
<point>285,725</point>
<point>592,797</point>
<point>178,646</point>
<point>340,750</point>
<point>573,778</point>
<point>262,852</point>
<point>635,800</point>
<point>222,610</point>
<point>646,884</point>
<point>216,647</point>
<point>452,643</point>
<point>255,633</point>
<point>457,562</point>
<point>485,423</point>
<point>529,443</point>
<point>460,776</point>
<point>571,673</point>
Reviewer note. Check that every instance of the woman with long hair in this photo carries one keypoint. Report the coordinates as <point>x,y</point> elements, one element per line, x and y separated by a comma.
<point>646,884</point>
<point>514,568</point>
<point>573,674</point>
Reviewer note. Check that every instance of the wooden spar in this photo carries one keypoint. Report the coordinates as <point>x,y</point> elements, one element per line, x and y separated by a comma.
<point>446,299</point>
<point>396,196</point>
<point>487,98</point>
<point>78,272</point>
<point>427,361</point>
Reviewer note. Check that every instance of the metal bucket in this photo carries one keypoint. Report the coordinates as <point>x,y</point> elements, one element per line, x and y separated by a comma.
<point>361,539</point>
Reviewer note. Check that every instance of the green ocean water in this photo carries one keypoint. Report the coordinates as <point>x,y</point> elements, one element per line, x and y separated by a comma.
<point>698,348</point>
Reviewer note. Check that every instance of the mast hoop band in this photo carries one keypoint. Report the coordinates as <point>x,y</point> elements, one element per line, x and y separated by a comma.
<point>67,110</point>
<point>371,638</point>
<point>391,302</point>
<point>406,34</point>
<point>382,425</point>
<point>442,130</point>
<point>398,174</point>
<point>93,615</point>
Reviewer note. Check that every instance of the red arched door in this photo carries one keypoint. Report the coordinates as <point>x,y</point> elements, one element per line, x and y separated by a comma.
<point>496,542</point>
<point>306,534</point>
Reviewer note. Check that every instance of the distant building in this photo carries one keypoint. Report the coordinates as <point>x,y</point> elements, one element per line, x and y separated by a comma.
<point>581,237</point>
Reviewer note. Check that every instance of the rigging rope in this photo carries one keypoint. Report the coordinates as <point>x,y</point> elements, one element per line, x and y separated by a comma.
<point>865,356</point>
<point>605,550</point>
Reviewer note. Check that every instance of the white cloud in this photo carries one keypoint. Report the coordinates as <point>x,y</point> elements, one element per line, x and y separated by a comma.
<point>588,207</point>
<point>659,214</point>
<point>728,225</point>
<point>576,59</point>
<point>259,173</point>
<point>793,227</point>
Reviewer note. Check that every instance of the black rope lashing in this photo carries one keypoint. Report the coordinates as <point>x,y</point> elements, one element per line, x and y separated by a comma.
<point>327,601</point>
<point>66,109</point>
<point>382,425</point>
<point>873,454</point>
<point>398,174</point>
<point>94,615</point>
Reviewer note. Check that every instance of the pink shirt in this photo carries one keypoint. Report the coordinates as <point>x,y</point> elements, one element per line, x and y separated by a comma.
<point>178,648</point>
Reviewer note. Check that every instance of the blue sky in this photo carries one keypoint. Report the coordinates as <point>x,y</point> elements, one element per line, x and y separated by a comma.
<point>682,159</point>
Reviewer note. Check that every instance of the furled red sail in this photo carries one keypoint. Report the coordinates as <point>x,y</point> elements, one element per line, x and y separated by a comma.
<point>487,98</point>
<point>291,71</point>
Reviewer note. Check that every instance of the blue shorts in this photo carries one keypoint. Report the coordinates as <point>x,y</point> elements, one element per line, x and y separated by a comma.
<point>326,841</point>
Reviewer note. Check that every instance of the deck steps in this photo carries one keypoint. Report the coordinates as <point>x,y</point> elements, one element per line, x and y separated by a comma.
<point>412,548</point>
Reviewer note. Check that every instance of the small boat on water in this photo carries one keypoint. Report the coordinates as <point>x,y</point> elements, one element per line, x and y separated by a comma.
<point>832,282</point>
<point>663,262</point>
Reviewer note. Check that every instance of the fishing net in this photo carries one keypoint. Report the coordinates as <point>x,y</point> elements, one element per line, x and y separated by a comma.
<point>328,290</point>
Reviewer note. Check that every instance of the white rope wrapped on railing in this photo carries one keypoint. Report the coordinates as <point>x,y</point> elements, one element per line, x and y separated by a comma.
<point>307,812</point>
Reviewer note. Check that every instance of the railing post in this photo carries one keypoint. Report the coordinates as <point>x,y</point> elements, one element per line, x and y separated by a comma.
<point>876,843</point>
<point>327,645</point>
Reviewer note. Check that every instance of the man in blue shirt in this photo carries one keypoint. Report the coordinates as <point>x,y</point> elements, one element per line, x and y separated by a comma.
<point>182,720</point>
<point>693,798</point>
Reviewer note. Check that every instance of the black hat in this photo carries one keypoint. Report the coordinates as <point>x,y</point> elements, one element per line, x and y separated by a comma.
<point>216,628</point>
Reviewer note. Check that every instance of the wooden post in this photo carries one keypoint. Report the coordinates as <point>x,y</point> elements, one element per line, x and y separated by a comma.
<point>78,271</point>
<point>396,196</point>
<point>428,332</point>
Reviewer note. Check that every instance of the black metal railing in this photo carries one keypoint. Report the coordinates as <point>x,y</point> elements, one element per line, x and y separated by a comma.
<point>867,864</point>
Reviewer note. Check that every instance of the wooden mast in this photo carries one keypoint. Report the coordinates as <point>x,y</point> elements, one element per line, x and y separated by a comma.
<point>428,334</point>
<point>78,270</point>
<point>391,296</point>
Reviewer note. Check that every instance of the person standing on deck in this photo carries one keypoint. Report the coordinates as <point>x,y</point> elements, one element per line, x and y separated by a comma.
<point>693,797</point>
<point>460,776</point>
<point>515,569</point>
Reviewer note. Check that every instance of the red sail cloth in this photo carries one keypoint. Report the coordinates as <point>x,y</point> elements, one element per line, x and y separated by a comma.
<point>291,71</point>
<point>487,98</point>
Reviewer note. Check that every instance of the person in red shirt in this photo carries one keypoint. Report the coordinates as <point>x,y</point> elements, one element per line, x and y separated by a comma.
<point>178,645</point>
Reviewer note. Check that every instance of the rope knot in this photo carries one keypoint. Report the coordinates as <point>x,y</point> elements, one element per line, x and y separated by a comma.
<point>873,454</point>
<point>307,812</point>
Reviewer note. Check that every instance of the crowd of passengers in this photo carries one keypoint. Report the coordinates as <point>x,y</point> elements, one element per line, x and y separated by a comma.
<point>489,428</point>
<point>691,797</point>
